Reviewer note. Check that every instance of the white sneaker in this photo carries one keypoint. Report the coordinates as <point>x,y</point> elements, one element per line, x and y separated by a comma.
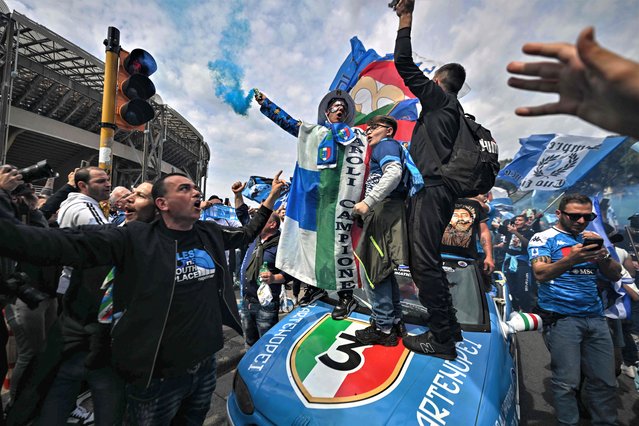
<point>81,416</point>
<point>630,371</point>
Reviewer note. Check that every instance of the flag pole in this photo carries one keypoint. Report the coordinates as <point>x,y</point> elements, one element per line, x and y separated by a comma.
<point>553,202</point>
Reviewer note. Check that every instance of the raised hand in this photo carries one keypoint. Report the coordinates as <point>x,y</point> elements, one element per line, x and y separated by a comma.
<point>238,187</point>
<point>593,83</point>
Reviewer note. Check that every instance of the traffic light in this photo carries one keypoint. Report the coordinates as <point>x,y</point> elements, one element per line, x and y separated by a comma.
<point>134,89</point>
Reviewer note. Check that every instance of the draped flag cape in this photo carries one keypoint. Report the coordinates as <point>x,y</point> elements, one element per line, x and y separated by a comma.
<point>318,235</point>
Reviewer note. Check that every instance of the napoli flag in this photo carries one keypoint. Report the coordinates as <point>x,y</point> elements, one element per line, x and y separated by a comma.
<point>553,161</point>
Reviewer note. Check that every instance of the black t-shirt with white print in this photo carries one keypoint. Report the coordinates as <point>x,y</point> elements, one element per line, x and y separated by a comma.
<point>194,327</point>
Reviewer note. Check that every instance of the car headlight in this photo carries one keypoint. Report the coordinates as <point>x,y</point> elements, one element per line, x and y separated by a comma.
<point>242,395</point>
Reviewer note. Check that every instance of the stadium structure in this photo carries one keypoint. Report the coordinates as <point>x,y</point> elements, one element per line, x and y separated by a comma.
<point>50,108</point>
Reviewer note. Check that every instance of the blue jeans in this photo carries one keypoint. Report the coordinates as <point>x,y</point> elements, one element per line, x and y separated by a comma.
<point>181,400</point>
<point>107,393</point>
<point>582,346</point>
<point>258,319</point>
<point>385,301</point>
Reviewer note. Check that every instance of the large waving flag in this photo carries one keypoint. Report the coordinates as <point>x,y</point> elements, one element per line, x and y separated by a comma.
<point>554,161</point>
<point>377,88</point>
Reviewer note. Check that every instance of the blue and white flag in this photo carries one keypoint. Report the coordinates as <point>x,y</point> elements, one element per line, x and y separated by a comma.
<point>616,300</point>
<point>554,161</point>
<point>257,188</point>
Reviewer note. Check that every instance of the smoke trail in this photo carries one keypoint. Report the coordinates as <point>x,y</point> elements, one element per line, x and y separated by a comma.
<point>227,74</point>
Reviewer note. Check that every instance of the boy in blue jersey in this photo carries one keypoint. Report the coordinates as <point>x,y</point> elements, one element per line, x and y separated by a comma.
<point>383,245</point>
<point>575,330</point>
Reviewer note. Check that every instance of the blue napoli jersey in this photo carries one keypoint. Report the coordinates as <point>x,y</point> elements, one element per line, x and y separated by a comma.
<point>574,292</point>
<point>386,151</point>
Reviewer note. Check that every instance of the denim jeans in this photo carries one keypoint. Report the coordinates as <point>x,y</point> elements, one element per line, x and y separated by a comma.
<point>258,319</point>
<point>30,328</point>
<point>107,392</point>
<point>182,400</point>
<point>582,346</point>
<point>385,301</point>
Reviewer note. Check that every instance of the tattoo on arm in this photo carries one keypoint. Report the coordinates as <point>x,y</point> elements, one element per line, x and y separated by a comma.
<point>542,259</point>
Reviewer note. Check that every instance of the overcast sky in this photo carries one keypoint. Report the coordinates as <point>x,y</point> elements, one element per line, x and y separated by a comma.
<point>291,50</point>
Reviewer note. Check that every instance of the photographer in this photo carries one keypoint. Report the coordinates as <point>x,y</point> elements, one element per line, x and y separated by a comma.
<point>9,180</point>
<point>32,312</point>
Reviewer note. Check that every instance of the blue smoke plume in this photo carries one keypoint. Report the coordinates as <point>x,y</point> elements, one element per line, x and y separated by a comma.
<point>227,74</point>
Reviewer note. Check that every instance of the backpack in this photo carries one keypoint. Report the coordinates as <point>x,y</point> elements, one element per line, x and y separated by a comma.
<point>473,164</point>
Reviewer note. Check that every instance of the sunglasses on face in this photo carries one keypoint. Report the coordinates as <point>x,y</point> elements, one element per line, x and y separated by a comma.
<point>373,127</point>
<point>588,217</point>
<point>335,106</point>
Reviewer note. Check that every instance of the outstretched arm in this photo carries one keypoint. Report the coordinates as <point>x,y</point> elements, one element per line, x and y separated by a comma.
<point>429,94</point>
<point>277,115</point>
<point>592,82</point>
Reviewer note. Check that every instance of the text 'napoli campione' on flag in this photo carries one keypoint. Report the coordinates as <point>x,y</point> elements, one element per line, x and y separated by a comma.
<point>554,161</point>
<point>377,88</point>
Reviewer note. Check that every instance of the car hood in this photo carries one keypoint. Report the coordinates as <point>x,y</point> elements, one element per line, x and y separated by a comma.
<point>308,369</point>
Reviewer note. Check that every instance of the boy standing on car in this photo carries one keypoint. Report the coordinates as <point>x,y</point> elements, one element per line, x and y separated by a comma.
<point>383,244</point>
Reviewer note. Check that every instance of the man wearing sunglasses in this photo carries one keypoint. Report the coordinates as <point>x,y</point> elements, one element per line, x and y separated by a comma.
<point>566,261</point>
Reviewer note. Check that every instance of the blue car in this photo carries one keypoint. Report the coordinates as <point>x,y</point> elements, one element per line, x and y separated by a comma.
<point>310,370</point>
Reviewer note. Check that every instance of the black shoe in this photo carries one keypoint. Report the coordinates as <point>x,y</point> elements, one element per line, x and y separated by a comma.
<point>400,329</point>
<point>427,345</point>
<point>344,308</point>
<point>312,294</point>
<point>372,335</point>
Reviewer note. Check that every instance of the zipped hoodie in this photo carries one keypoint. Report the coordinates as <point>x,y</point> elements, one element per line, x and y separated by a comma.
<point>78,209</point>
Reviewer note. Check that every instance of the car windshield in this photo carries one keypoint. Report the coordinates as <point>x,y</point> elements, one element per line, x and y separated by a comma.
<point>464,287</point>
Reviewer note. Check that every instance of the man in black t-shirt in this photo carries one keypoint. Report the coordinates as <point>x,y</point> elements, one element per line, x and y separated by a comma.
<point>173,290</point>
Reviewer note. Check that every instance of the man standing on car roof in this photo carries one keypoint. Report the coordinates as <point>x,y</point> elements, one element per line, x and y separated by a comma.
<point>431,208</point>
<point>575,329</point>
<point>336,107</point>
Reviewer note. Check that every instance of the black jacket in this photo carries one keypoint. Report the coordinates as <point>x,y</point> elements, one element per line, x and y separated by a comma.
<point>144,258</point>
<point>438,124</point>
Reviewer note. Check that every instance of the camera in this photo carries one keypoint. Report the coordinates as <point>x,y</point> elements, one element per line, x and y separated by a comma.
<point>18,285</point>
<point>40,170</point>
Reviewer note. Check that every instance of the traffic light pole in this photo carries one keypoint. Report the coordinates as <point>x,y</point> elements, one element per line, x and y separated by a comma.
<point>107,125</point>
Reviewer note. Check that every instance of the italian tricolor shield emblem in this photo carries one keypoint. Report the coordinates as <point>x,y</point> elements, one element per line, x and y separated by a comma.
<point>329,366</point>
